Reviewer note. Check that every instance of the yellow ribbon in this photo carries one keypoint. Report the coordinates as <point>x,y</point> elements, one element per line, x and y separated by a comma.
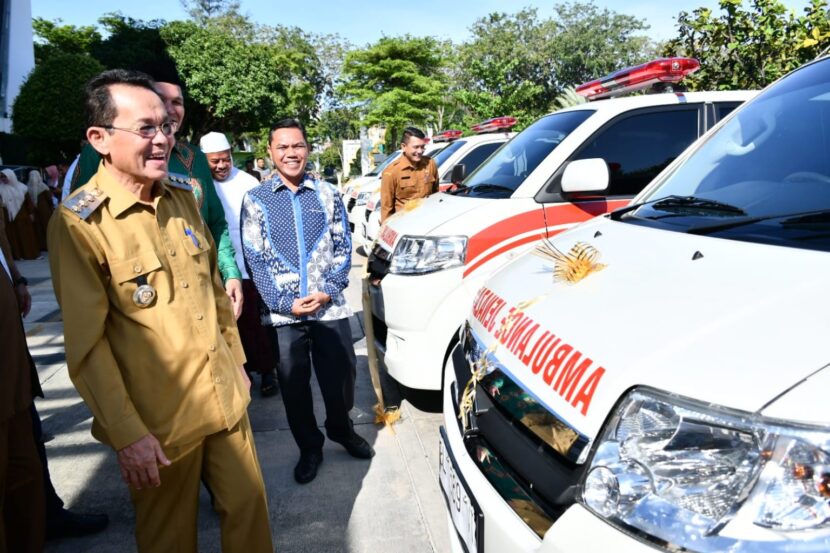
<point>383,415</point>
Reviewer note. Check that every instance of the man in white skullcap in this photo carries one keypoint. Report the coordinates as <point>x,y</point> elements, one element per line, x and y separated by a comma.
<point>231,186</point>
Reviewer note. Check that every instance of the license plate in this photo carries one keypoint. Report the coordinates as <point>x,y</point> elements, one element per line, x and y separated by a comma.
<point>464,511</point>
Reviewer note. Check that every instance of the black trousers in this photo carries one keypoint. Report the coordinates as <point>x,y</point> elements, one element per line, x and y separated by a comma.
<point>327,346</point>
<point>54,504</point>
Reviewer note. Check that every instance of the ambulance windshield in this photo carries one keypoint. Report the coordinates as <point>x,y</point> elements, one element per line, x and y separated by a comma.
<point>769,164</point>
<point>505,171</point>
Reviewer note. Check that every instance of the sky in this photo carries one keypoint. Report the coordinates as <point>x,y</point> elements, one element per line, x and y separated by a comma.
<point>365,22</point>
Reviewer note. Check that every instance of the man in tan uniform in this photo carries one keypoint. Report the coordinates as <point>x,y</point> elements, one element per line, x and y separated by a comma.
<point>151,342</point>
<point>413,175</point>
<point>22,500</point>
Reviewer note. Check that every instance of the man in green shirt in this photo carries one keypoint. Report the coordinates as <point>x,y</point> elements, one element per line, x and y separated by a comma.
<point>186,161</point>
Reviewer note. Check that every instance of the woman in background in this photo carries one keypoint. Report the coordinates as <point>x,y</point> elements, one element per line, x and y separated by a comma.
<point>20,217</point>
<point>53,181</point>
<point>41,197</point>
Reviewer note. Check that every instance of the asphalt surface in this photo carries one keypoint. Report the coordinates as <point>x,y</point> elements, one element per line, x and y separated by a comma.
<point>390,503</point>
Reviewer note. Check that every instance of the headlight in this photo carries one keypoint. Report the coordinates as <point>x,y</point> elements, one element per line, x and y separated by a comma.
<point>427,254</point>
<point>363,197</point>
<point>703,478</point>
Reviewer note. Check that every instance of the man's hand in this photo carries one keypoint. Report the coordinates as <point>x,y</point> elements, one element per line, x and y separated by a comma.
<point>322,299</point>
<point>245,378</point>
<point>233,288</point>
<point>24,299</point>
<point>140,462</point>
<point>305,306</point>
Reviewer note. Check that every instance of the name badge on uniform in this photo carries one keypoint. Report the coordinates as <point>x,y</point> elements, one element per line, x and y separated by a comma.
<point>144,295</point>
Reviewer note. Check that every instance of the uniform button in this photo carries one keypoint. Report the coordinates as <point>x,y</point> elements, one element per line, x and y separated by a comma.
<point>137,268</point>
<point>172,253</point>
<point>199,317</point>
<point>218,379</point>
<point>212,348</point>
<point>185,285</point>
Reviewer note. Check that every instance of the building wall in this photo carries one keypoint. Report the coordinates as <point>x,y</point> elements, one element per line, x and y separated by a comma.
<point>17,54</point>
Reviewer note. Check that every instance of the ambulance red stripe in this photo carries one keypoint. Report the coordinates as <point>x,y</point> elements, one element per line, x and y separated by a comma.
<point>568,213</point>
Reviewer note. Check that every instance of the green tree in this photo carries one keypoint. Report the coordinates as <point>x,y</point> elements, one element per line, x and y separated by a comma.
<point>503,70</point>
<point>589,42</point>
<point>396,82</point>
<point>54,38</point>
<point>242,84</point>
<point>203,10</point>
<point>49,110</point>
<point>517,64</point>
<point>130,43</point>
<point>749,47</point>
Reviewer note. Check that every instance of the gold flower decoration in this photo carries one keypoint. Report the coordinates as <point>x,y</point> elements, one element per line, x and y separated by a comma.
<point>573,266</point>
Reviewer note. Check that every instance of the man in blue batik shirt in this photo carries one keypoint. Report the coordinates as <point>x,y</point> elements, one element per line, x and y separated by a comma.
<point>297,246</point>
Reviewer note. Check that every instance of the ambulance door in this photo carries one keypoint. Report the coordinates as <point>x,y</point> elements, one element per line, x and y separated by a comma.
<point>635,146</point>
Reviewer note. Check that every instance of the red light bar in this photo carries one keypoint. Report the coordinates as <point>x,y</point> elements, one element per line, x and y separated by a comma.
<point>495,124</point>
<point>446,136</point>
<point>664,70</point>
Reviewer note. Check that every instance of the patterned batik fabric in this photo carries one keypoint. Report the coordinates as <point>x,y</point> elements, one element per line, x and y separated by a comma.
<point>296,243</point>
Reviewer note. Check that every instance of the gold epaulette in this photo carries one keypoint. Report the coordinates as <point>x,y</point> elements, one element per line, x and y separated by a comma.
<point>84,202</point>
<point>177,180</point>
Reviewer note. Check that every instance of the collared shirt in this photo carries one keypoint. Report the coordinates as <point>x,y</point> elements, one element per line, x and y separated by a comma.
<point>296,243</point>
<point>171,368</point>
<point>402,181</point>
<point>186,159</point>
<point>231,191</point>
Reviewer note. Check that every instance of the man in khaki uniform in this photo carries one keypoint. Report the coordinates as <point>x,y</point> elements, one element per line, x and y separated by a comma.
<point>22,507</point>
<point>413,175</point>
<point>151,342</point>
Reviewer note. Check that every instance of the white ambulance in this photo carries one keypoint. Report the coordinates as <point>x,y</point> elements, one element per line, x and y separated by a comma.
<point>656,379</point>
<point>454,157</point>
<point>351,191</point>
<point>429,263</point>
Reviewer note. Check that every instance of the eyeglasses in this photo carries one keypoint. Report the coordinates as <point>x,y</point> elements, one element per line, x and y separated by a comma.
<point>147,131</point>
<point>282,149</point>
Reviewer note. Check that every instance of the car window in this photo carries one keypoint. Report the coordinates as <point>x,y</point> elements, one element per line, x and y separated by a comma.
<point>473,159</point>
<point>383,164</point>
<point>444,154</point>
<point>764,176</point>
<point>639,146</point>
<point>509,167</point>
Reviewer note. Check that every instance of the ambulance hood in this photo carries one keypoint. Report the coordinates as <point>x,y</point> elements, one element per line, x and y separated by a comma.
<point>429,214</point>
<point>732,323</point>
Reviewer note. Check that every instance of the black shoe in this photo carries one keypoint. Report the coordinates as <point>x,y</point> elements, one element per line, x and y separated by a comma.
<point>68,524</point>
<point>306,469</point>
<point>357,447</point>
<point>269,386</point>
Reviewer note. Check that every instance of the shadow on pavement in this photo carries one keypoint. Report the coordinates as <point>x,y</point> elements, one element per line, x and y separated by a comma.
<point>312,517</point>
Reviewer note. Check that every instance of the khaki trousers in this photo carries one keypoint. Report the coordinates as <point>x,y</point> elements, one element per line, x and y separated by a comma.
<point>23,524</point>
<point>166,516</point>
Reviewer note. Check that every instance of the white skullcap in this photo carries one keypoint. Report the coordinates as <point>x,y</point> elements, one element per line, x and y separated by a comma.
<point>214,142</point>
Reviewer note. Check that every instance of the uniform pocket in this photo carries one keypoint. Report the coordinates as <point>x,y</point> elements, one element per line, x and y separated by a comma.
<point>134,267</point>
<point>130,274</point>
<point>195,243</point>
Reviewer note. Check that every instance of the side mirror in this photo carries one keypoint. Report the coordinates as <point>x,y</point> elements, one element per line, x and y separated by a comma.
<point>585,178</point>
<point>458,173</point>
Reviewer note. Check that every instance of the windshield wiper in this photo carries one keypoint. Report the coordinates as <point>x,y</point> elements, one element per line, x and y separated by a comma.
<point>792,219</point>
<point>680,202</point>
<point>483,187</point>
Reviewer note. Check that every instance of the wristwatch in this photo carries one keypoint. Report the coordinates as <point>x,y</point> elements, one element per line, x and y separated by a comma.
<point>21,280</point>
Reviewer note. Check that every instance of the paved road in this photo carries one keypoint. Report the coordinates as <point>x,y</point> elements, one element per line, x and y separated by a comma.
<point>391,503</point>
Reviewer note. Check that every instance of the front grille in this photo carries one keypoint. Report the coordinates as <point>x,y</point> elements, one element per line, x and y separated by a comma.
<point>535,453</point>
<point>350,204</point>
